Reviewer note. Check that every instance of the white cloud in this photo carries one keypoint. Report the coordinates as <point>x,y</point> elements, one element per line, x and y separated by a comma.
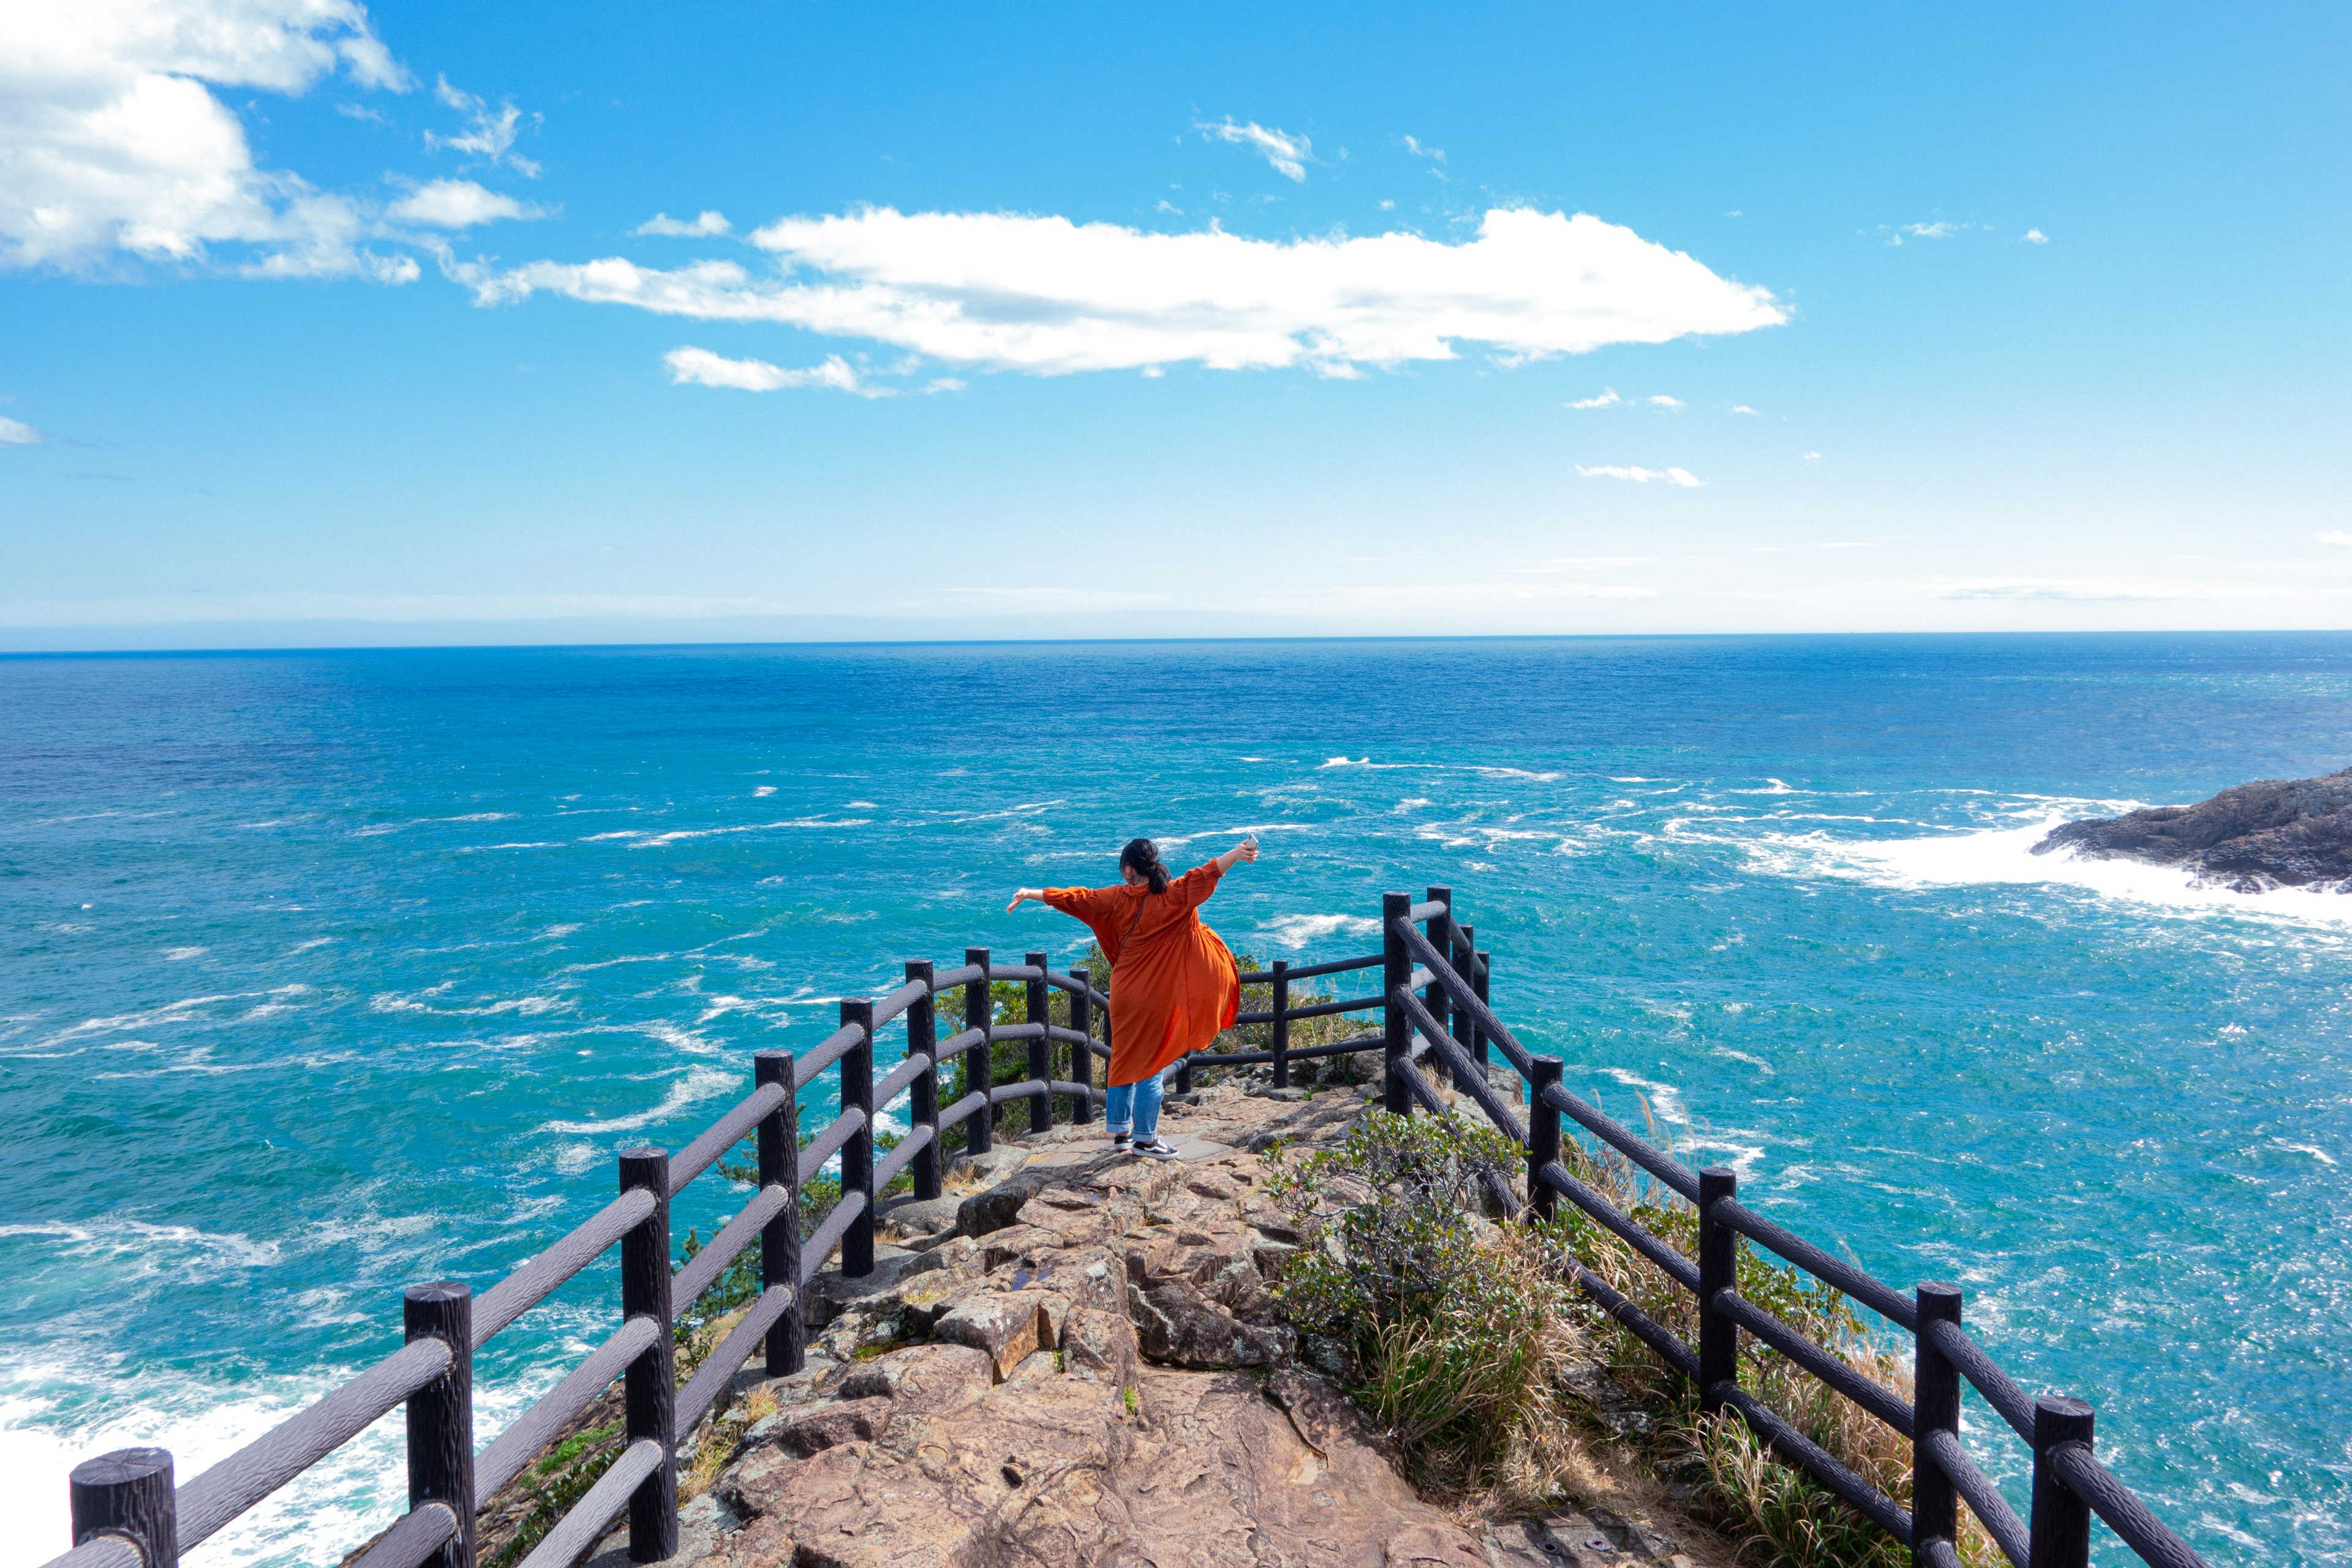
<point>112,140</point>
<point>703,368</point>
<point>2103,589</point>
<point>1418,150</point>
<point>1938,230</point>
<point>1681,477</point>
<point>1387,205</point>
<point>1289,154</point>
<point>492,136</point>
<point>1587,562</point>
<point>1048,296</point>
<point>16,433</point>
<point>1608,399</point>
<point>459,204</point>
<point>1813,457</point>
<point>2334,536</point>
<point>706,225</point>
<point>1743,408</point>
<point>1662,401</point>
<point>2035,237</point>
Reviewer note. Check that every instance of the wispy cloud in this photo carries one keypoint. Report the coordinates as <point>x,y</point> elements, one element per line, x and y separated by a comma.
<point>1287,153</point>
<point>1662,401</point>
<point>1608,399</point>
<point>1743,408</point>
<point>700,367</point>
<point>16,433</point>
<point>2105,589</point>
<point>1681,477</point>
<point>459,204</point>
<point>1046,296</point>
<point>492,137</point>
<point>1436,154</point>
<point>709,223</point>
<point>2035,237</point>
<point>1587,563</point>
<point>1612,398</point>
<point>2334,536</point>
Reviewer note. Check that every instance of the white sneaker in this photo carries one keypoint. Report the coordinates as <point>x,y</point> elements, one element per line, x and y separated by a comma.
<point>1156,1150</point>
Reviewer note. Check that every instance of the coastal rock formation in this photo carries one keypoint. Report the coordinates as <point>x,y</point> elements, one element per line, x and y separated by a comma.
<point>2276,833</point>
<point>1100,1375</point>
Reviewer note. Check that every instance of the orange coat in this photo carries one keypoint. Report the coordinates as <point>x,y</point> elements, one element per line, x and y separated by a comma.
<point>1172,981</point>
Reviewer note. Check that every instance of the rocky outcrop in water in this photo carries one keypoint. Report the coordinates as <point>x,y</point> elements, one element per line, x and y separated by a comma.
<point>2275,832</point>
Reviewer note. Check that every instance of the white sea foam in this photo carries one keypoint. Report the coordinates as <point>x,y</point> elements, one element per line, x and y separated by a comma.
<point>654,841</point>
<point>763,792</point>
<point>1295,932</point>
<point>698,1084</point>
<point>179,954</point>
<point>2004,857</point>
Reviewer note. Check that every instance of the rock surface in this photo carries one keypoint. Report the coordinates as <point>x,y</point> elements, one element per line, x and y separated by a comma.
<point>2276,833</point>
<point>1098,1375</point>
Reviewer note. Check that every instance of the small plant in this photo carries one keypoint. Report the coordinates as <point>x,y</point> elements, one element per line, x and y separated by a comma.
<point>1457,1331</point>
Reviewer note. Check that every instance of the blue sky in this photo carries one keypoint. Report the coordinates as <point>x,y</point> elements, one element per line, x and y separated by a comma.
<point>323,325</point>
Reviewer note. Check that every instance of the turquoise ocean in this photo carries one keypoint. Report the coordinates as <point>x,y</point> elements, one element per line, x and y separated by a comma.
<point>327,972</point>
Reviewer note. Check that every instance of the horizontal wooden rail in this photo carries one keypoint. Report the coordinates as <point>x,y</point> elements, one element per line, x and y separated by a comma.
<point>1976,1489</point>
<point>1880,1299</point>
<point>950,1114</point>
<point>819,1247</point>
<point>541,1424</point>
<point>582,1527</point>
<point>412,1543</point>
<point>1468,1077</point>
<point>827,1144</point>
<point>2125,1514</point>
<point>719,1367</point>
<point>286,1450</point>
<point>1313,971</point>
<point>1673,1264</point>
<point>1999,1390</point>
<point>1610,1132</point>
<point>703,1268</point>
<point>532,1283</point>
<point>898,1001</point>
<point>957,1044</point>
<point>1819,1462</point>
<point>826,1052</point>
<point>904,1073</point>
<point>1883,1403</point>
<point>898,1159</point>
<point>1313,1010</point>
<point>724,1134</point>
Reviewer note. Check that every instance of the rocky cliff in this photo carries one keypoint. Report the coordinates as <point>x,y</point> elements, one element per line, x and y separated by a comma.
<point>2276,833</point>
<point>1080,1363</point>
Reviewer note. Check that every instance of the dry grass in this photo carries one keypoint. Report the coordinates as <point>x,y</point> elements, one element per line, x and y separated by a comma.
<point>1469,1347</point>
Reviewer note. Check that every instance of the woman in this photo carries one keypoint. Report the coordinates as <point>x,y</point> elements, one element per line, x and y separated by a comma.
<point>1173,984</point>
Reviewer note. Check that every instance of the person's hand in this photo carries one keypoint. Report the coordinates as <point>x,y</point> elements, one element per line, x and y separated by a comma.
<point>1247,847</point>
<point>1022,896</point>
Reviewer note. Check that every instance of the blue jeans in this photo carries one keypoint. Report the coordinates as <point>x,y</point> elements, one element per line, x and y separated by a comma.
<point>1134,1106</point>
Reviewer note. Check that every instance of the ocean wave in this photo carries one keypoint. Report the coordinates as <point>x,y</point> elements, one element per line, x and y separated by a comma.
<point>2004,857</point>
<point>698,1084</point>
<point>156,1250</point>
<point>1295,932</point>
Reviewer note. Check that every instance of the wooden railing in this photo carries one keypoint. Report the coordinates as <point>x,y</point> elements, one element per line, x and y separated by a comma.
<point>128,1513</point>
<point>1437,1023</point>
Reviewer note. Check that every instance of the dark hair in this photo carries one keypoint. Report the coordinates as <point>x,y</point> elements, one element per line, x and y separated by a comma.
<point>1144,856</point>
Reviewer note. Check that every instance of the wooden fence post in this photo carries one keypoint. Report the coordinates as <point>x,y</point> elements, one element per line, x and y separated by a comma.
<point>128,1493</point>
<point>857,1154</point>
<point>1039,1008</point>
<point>780,1238</point>
<point>980,1127</point>
<point>923,1094</point>
<point>1464,955</point>
<point>2061,1525</point>
<point>650,1388</point>
<point>1433,995</point>
<point>1483,972</point>
<point>1082,1058</point>
<point>440,1416</point>
<point>1281,1023</point>
<point>1936,1407</point>
<point>1183,1073</point>
<point>1543,1134</point>
<point>1396,1029</point>
<point>1718,1269</point>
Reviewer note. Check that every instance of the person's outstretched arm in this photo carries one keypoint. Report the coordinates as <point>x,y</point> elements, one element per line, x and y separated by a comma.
<point>1023,895</point>
<point>1246,851</point>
